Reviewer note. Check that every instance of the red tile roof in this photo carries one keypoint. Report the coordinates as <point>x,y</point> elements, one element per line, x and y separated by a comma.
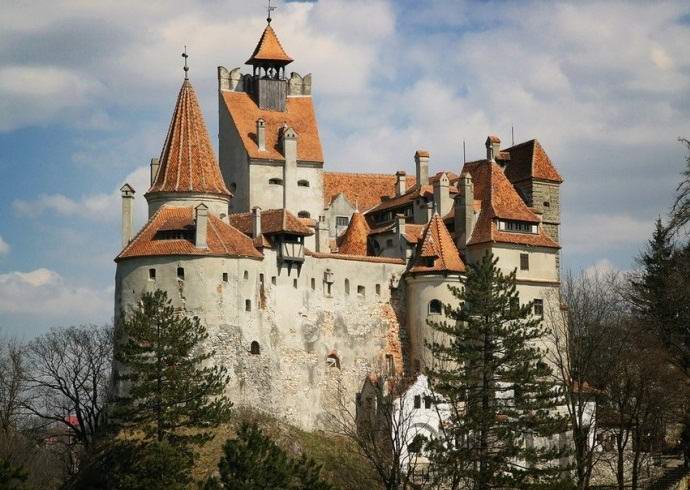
<point>187,162</point>
<point>362,190</point>
<point>413,193</point>
<point>485,230</point>
<point>222,239</point>
<point>356,258</point>
<point>299,115</point>
<point>529,160</point>
<point>269,49</point>
<point>273,221</point>
<point>436,244</point>
<point>412,234</point>
<point>355,239</point>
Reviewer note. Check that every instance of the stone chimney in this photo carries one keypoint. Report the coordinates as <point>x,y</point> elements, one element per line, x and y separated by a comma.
<point>464,211</point>
<point>493,147</point>
<point>400,182</point>
<point>400,230</point>
<point>256,222</point>
<point>442,201</point>
<point>155,165</point>
<point>421,160</point>
<point>261,134</point>
<point>322,235</point>
<point>201,219</point>
<point>289,141</point>
<point>127,193</point>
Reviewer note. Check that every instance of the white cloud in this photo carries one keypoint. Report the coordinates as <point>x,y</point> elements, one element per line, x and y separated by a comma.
<point>603,234</point>
<point>94,207</point>
<point>44,293</point>
<point>4,247</point>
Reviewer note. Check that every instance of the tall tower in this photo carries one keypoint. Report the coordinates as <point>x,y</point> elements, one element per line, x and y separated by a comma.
<point>269,85</point>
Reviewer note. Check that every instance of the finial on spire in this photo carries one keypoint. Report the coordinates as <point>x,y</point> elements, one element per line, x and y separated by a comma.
<point>186,68</point>
<point>269,9</point>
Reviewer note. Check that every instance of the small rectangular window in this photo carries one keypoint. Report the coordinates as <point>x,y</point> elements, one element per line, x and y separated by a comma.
<point>341,221</point>
<point>524,262</point>
<point>417,401</point>
<point>539,307</point>
<point>378,290</point>
<point>180,273</point>
<point>246,275</point>
<point>361,291</point>
<point>247,305</point>
<point>152,274</point>
<point>273,280</point>
<point>427,402</point>
<point>313,284</point>
<point>294,283</point>
<point>225,277</point>
<point>261,279</point>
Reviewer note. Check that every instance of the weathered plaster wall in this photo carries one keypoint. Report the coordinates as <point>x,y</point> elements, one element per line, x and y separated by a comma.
<point>296,325</point>
<point>234,163</point>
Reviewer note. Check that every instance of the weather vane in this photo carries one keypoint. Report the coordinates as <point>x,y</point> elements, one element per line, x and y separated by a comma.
<point>269,9</point>
<point>186,68</point>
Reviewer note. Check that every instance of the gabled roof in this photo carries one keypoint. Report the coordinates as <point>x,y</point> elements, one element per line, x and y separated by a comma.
<point>299,115</point>
<point>273,221</point>
<point>413,193</point>
<point>529,160</point>
<point>362,190</point>
<point>413,232</point>
<point>269,49</point>
<point>187,161</point>
<point>355,239</point>
<point>437,245</point>
<point>222,239</point>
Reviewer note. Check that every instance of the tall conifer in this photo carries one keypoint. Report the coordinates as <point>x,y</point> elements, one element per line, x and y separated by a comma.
<point>489,371</point>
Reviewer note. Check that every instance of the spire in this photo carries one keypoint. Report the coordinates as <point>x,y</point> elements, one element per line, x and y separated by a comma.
<point>269,50</point>
<point>187,162</point>
<point>354,240</point>
<point>436,251</point>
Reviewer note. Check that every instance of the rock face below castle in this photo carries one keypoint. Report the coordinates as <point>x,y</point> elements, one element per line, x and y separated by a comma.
<point>307,281</point>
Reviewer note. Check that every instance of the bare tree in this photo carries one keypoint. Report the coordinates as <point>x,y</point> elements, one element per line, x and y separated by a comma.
<point>12,383</point>
<point>384,426</point>
<point>579,348</point>
<point>69,378</point>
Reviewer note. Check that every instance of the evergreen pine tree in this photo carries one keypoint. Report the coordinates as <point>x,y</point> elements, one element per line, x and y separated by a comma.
<point>252,461</point>
<point>502,401</point>
<point>171,397</point>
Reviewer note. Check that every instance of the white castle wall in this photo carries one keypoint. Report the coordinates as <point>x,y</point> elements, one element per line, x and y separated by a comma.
<point>296,327</point>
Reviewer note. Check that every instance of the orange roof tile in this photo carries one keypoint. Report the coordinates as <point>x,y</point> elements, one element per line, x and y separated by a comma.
<point>273,221</point>
<point>269,49</point>
<point>413,193</point>
<point>355,239</point>
<point>356,258</point>
<point>362,190</point>
<point>299,115</point>
<point>187,162</point>
<point>413,232</point>
<point>485,230</point>
<point>529,160</point>
<point>222,239</point>
<point>436,244</point>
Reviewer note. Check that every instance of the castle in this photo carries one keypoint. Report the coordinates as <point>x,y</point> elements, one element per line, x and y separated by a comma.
<point>309,281</point>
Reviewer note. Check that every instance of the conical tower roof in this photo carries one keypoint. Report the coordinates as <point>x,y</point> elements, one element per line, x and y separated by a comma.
<point>436,251</point>
<point>187,162</point>
<point>354,240</point>
<point>269,49</point>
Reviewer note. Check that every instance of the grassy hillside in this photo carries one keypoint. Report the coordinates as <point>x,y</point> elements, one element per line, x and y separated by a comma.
<point>343,467</point>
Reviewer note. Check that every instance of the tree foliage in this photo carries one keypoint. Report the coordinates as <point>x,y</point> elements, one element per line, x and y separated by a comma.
<point>490,371</point>
<point>252,461</point>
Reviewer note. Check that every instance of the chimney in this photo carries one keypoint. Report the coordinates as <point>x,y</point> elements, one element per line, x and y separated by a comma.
<point>256,222</point>
<point>155,165</point>
<point>493,147</point>
<point>421,160</point>
<point>289,139</point>
<point>400,182</point>
<point>464,211</point>
<point>127,193</point>
<point>261,134</point>
<point>400,230</point>
<point>442,201</point>
<point>322,235</point>
<point>201,219</point>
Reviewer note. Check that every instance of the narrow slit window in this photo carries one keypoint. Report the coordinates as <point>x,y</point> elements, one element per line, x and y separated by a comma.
<point>347,286</point>
<point>313,284</point>
<point>417,401</point>
<point>261,279</point>
<point>274,280</point>
<point>225,277</point>
<point>255,348</point>
<point>180,273</point>
<point>152,274</point>
<point>427,402</point>
<point>539,307</point>
<point>246,275</point>
<point>294,283</point>
<point>248,305</point>
<point>524,262</point>
<point>378,290</point>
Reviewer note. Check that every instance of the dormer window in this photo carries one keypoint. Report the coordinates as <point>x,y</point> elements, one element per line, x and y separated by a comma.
<point>303,214</point>
<point>303,183</point>
<point>275,181</point>
<point>518,226</point>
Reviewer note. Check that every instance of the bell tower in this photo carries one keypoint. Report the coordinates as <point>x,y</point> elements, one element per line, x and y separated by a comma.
<point>268,86</point>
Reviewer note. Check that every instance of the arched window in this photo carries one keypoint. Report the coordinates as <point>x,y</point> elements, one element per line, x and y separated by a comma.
<point>332,360</point>
<point>255,348</point>
<point>303,183</point>
<point>303,214</point>
<point>435,307</point>
<point>275,181</point>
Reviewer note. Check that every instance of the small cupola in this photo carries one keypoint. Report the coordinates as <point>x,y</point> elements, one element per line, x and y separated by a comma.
<point>269,84</point>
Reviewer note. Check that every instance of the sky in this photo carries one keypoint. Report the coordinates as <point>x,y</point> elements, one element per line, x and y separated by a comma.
<point>87,90</point>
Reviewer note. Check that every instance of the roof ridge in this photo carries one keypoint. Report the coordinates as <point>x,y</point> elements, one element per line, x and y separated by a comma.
<point>222,242</point>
